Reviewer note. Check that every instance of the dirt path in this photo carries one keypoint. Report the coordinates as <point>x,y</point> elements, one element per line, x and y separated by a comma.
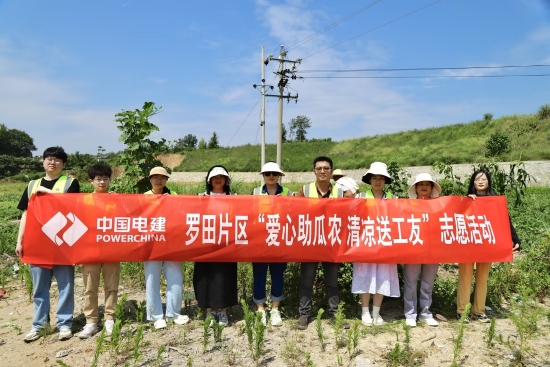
<point>284,346</point>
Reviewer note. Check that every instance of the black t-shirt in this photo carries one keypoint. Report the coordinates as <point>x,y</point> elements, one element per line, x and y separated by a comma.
<point>24,202</point>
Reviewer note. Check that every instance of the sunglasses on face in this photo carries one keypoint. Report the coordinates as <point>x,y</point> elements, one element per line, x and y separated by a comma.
<point>276,174</point>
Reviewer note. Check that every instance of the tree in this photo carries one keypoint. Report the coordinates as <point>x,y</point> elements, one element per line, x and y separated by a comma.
<point>283,134</point>
<point>189,142</point>
<point>16,143</point>
<point>202,144</point>
<point>140,153</point>
<point>299,126</point>
<point>213,143</point>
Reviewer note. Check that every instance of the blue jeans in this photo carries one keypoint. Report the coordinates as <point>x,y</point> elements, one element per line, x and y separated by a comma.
<point>42,281</point>
<point>260,277</point>
<point>174,280</point>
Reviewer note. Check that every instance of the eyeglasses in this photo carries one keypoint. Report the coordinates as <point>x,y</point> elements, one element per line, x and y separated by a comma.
<point>53,160</point>
<point>102,179</point>
<point>325,168</point>
<point>267,174</point>
<point>482,179</point>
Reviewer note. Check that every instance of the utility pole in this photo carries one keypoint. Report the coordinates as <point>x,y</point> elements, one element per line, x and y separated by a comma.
<point>284,75</point>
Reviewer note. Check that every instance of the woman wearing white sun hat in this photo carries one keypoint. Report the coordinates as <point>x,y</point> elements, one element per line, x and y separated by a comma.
<point>172,271</point>
<point>271,173</point>
<point>424,187</point>
<point>215,283</point>
<point>377,279</point>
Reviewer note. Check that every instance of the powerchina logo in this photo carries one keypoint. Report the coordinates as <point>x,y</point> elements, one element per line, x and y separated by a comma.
<point>58,222</point>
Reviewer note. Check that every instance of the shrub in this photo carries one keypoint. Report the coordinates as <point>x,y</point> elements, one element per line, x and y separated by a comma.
<point>544,112</point>
<point>488,117</point>
<point>497,144</point>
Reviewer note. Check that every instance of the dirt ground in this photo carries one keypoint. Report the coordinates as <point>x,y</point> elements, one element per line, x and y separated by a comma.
<point>284,346</point>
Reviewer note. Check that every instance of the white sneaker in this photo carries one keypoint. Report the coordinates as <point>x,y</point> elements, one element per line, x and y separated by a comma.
<point>180,320</point>
<point>410,322</point>
<point>378,321</point>
<point>264,317</point>
<point>160,324</point>
<point>89,330</point>
<point>32,335</point>
<point>222,318</point>
<point>431,321</point>
<point>367,319</point>
<point>66,333</point>
<point>276,319</point>
<point>109,325</point>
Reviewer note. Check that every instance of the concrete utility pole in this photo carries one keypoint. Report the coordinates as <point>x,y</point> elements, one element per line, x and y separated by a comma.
<point>284,75</point>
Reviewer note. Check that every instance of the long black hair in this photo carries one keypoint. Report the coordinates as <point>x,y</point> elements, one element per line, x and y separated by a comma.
<point>472,189</point>
<point>226,187</point>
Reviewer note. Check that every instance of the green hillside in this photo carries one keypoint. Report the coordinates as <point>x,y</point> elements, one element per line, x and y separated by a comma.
<point>528,139</point>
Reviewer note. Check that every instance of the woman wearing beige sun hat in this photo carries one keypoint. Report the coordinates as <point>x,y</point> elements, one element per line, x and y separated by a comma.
<point>377,279</point>
<point>337,174</point>
<point>424,187</point>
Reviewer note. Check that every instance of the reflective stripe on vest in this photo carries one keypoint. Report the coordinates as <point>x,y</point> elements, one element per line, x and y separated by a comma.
<point>369,195</point>
<point>61,185</point>
<point>310,191</point>
<point>285,192</point>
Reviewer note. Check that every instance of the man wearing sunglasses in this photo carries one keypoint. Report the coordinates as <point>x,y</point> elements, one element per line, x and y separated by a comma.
<point>271,173</point>
<point>321,188</point>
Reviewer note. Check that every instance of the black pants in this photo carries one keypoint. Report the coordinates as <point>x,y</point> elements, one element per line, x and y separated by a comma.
<point>308,271</point>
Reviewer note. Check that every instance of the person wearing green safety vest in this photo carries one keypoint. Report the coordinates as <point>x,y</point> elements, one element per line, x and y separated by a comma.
<point>271,173</point>
<point>377,279</point>
<point>158,176</point>
<point>54,182</point>
<point>321,188</point>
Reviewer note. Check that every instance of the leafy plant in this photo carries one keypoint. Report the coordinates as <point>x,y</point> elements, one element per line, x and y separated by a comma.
<point>544,112</point>
<point>460,336</point>
<point>160,358</point>
<point>497,144</point>
<point>337,325</point>
<point>140,153</point>
<point>138,338</point>
<point>98,348</point>
<point>121,310</point>
<point>206,333</point>
<point>400,177</point>
<point>490,333</point>
<point>353,340</point>
<point>319,328</point>
<point>255,332</point>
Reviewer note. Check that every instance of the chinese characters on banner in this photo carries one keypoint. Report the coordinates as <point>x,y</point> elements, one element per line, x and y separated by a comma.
<point>92,228</point>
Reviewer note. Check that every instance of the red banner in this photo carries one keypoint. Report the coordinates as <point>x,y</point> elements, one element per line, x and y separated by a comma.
<point>97,228</point>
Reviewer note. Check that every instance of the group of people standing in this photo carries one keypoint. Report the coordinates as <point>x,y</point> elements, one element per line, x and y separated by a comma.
<point>215,283</point>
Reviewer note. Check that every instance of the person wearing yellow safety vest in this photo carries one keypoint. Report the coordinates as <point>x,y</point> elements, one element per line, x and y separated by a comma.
<point>55,160</point>
<point>100,178</point>
<point>172,271</point>
<point>377,279</point>
<point>271,173</point>
<point>321,188</point>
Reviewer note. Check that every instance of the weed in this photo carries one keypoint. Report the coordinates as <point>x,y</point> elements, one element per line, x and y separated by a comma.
<point>115,338</point>
<point>337,325</point>
<point>309,362</point>
<point>353,340</point>
<point>460,336</point>
<point>206,332</point>
<point>190,361</point>
<point>403,355</point>
<point>544,112</point>
<point>14,327</point>
<point>490,333</point>
<point>61,363</point>
<point>120,310</point>
<point>319,328</point>
<point>27,279</point>
<point>218,331</point>
<point>45,331</point>
<point>137,341</point>
<point>140,310</point>
<point>259,337</point>
<point>339,359</point>
<point>255,332</point>
<point>98,348</point>
<point>160,357</point>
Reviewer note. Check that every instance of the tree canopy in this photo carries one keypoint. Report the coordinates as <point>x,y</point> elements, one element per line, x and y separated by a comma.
<point>15,142</point>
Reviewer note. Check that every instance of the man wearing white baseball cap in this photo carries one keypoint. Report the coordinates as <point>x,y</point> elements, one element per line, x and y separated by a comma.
<point>271,173</point>
<point>424,187</point>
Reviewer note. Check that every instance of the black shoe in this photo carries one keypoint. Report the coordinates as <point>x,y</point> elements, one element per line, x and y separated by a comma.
<point>345,324</point>
<point>459,316</point>
<point>481,318</point>
<point>303,321</point>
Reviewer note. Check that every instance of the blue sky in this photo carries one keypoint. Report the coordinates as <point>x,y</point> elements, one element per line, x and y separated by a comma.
<point>67,67</point>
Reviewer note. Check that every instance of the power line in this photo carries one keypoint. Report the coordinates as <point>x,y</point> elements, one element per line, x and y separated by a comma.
<point>428,68</point>
<point>424,77</point>
<point>337,23</point>
<point>244,120</point>
<point>372,29</point>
